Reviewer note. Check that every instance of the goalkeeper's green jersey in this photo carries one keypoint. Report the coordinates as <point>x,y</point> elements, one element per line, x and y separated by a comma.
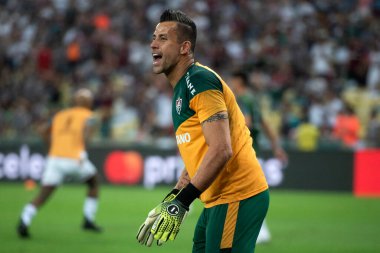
<point>199,94</point>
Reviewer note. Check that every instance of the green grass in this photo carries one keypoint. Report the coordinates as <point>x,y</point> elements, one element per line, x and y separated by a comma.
<point>305,222</point>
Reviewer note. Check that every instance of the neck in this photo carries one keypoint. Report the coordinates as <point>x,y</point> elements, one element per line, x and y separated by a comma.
<point>179,70</point>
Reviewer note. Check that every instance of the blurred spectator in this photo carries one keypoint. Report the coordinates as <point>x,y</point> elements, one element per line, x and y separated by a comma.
<point>306,136</point>
<point>73,54</point>
<point>373,130</point>
<point>161,99</point>
<point>316,112</point>
<point>373,75</point>
<point>332,106</point>
<point>347,127</point>
<point>304,55</point>
<point>321,54</point>
<point>44,59</point>
<point>104,102</point>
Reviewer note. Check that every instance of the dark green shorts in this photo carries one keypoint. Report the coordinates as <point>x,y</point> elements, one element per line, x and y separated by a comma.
<point>232,227</point>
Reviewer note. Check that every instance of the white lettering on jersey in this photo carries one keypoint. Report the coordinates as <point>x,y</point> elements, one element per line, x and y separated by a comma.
<point>183,138</point>
<point>189,84</point>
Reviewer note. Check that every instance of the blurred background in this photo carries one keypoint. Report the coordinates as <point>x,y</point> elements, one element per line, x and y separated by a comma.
<point>313,65</point>
<point>307,60</point>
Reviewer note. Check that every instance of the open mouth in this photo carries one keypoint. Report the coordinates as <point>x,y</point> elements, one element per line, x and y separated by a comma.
<point>156,58</point>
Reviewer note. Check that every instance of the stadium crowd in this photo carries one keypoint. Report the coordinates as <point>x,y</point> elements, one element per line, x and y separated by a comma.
<point>315,65</point>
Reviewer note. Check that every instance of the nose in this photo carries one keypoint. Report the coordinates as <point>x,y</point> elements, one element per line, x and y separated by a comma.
<point>153,44</point>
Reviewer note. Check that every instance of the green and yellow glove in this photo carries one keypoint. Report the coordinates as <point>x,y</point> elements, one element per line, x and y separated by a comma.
<point>172,214</point>
<point>144,235</point>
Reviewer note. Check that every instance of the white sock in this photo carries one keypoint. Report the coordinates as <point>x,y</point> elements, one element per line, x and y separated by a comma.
<point>28,213</point>
<point>90,207</point>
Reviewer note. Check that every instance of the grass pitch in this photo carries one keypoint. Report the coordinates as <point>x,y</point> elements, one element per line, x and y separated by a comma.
<point>305,222</point>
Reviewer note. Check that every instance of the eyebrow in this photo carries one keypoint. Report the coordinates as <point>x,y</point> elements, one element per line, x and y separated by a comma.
<point>160,35</point>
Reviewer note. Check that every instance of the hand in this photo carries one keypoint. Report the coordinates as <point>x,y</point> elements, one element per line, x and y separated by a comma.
<point>173,213</point>
<point>144,236</point>
<point>280,154</point>
<point>168,223</point>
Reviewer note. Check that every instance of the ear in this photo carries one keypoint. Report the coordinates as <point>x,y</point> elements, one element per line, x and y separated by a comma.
<point>185,47</point>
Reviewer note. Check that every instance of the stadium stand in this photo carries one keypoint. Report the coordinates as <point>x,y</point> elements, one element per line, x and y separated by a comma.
<point>306,58</point>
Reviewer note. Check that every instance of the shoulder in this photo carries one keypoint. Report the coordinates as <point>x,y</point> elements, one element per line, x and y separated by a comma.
<point>201,78</point>
<point>74,112</point>
<point>60,113</point>
<point>81,111</point>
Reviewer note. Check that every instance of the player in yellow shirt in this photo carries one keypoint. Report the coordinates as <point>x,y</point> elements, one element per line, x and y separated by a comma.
<point>68,131</point>
<point>216,147</point>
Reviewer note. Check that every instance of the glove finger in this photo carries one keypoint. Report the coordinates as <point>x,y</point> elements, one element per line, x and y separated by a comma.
<point>156,225</point>
<point>144,233</point>
<point>154,212</point>
<point>145,239</point>
<point>141,232</point>
<point>167,232</point>
<point>145,227</point>
<point>173,235</point>
<point>150,240</point>
<point>160,229</point>
<point>176,228</point>
<point>159,242</point>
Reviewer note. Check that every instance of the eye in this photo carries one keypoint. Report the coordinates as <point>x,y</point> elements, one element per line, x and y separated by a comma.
<point>163,37</point>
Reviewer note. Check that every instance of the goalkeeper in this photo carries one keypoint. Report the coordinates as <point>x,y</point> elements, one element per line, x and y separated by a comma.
<point>215,144</point>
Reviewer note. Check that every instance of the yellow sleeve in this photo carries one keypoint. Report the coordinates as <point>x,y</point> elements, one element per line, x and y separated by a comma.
<point>208,103</point>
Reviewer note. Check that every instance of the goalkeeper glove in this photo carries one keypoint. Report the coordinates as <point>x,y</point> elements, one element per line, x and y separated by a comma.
<point>144,236</point>
<point>173,213</point>
<point>171,195</point>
